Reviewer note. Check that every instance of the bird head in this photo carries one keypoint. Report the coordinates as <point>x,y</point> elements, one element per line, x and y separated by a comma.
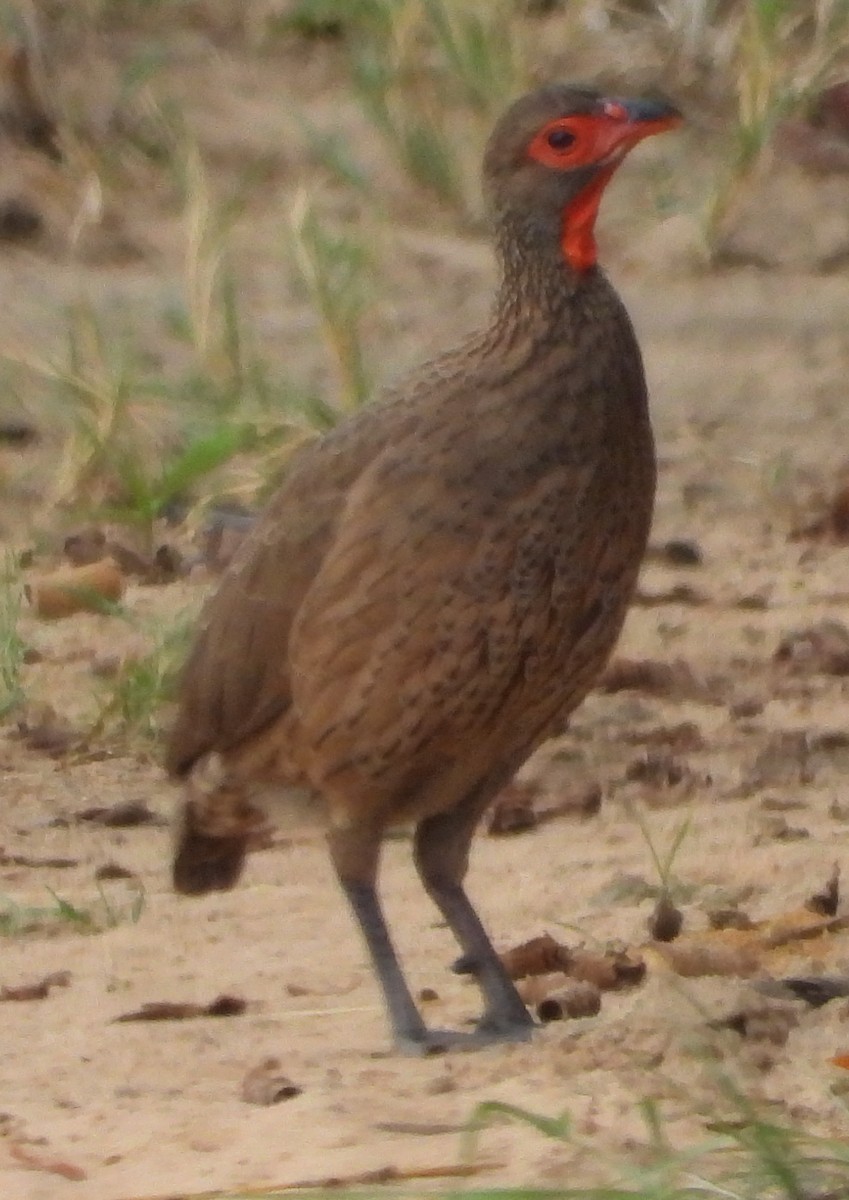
<point>551,155</point>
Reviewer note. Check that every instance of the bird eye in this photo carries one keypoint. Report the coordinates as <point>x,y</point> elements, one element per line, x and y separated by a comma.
<point>560,139</point>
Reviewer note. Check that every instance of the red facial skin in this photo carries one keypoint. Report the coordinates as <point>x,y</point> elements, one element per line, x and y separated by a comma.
<point>601,139</point>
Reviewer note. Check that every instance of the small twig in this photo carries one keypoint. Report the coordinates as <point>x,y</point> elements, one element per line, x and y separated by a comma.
<point>783,937</point>
<point>34,1160</point>
<point>379,1175</point>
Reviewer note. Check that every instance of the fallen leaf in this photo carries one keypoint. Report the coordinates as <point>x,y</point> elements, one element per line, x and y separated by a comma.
<point>167,1010</point>
<point>28,860</point>
<point>583,802</point>
<point>816,990</point>
<point>666,920</point>
<point>775,828</point>
<point>831,523</point>
<point>85,547</point>
<point>610,971</point>
<point>826,902</point>
<point>678,552</point>
<point>512,811</point>
<point>538,956</point>
<point>682,738</point>
<point>40,727</point>
<point>729,918</point>
<point>34,1160</point>
<point>821,649</point>
<point>222,537</point>
<point>578,998</point>
<point>695,959</point>
<point>90,588</point>
<point>124,815</point>
<point>39,990</point>
<point>680,593</point>
<point>761,1021</point>
<point>675,680</point>
<point>266,1084</point>
<point>113,870</point>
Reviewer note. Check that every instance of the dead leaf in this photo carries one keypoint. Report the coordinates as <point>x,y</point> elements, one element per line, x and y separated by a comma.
<point>666,920</point>
<point>660,770</point>
<point>761,1022</point>
<point>682,738</point>
<point>695,959</point>
<point>124,815</point>
<point>822,649</point>
<point>610,971</point>
<point>34,1160</point>
<point>729,918</point>
<point>578,998</point>
<point>773,827</point>
<point>168,564</point>
<point>113,870</point>
<point>167,1010</point>
<point>222,537</point>
<point>39,990</point>
<point>89,588</point>
<point>512,811</point>
<point>538,956</point>
<point>27,860</point>
<point>583,802</point>
<point>85,547</point>
<point>18,433</point>
<point>680,593</point>
<point>266,1084</point>
<point>816,990</point>
<point>677,552</point>
<point>826,902</point>
<point>92,545</point>
<point>831,523</point>
<point>40,727</point>
<point>674,680</point>
<point>785,761</point>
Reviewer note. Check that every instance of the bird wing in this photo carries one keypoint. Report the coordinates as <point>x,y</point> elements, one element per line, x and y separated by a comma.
<point>235,681</point>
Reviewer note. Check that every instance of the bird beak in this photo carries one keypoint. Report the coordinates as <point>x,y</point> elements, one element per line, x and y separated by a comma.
<point>627,122</point>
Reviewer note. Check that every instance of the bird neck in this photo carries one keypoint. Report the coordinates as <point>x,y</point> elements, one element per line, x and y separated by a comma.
<point>539,279</point>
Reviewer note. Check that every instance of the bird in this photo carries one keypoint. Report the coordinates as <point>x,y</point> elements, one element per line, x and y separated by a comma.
<point>439,580</point>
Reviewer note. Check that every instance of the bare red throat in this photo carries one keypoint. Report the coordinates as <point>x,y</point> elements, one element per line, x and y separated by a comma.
<point>577,239</point>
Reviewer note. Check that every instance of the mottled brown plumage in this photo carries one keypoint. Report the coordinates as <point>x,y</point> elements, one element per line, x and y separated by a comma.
<point>438,582</point>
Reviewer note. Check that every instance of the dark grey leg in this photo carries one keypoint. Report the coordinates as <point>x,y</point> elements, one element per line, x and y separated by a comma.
<point>441,854</point>
<point>355,856</point>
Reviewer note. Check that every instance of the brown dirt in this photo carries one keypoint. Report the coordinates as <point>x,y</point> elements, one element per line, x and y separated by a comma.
<point>748,373</point>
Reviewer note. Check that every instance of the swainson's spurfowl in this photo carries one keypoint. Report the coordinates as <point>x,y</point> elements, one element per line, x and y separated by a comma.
<point>440,579</point>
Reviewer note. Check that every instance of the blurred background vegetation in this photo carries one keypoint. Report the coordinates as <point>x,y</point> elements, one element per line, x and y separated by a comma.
<point>224,225</point>
<point>223,254</point>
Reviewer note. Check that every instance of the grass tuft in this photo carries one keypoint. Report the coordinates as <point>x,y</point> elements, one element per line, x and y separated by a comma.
<point>12,646</point>
<point>132,703</point>
<point>109,909</point>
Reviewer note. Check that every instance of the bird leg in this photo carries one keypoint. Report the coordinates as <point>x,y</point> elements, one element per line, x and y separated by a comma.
<point>354,852</point>
<point>441,854</point>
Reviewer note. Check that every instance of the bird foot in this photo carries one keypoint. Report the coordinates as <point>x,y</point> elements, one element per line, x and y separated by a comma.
<point>442,1041</point>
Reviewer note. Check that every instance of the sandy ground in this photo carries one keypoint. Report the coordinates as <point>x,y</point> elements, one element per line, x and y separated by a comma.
<point>748,370</point>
